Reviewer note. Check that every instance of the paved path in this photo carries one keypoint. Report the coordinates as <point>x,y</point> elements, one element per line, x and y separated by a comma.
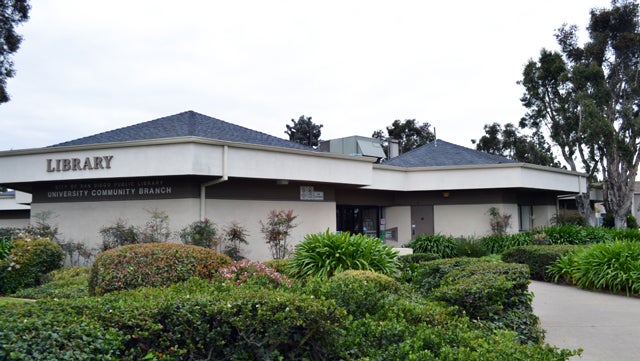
<point>606,327</point>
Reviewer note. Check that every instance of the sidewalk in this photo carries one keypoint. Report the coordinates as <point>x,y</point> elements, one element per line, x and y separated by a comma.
<point>606,327</point>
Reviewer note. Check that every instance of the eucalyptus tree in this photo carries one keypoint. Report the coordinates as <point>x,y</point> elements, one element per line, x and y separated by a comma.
<point>587,99</point>
<point>12,14</point>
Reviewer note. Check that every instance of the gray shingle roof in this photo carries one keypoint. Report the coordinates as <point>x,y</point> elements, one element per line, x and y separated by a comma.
<point>441,153</point>
<point>186,124</point>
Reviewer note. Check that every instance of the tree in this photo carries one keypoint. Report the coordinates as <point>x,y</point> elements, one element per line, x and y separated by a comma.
<point>509,143</point>
<point>304,131</point>
<point>587,100</point>
<point>409,134</point>
<point>12,14</point>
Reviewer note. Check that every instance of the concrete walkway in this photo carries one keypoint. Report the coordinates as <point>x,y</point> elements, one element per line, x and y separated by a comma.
<point>606,327</point>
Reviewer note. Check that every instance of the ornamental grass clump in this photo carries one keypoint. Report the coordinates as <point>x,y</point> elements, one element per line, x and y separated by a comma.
<point>326,254</point>
<point>613,266</point>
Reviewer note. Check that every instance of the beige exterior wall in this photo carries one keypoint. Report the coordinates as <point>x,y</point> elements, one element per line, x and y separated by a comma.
<point>13,223</point>
<point>313,217</point>
<point>470,220</point>
<point>399,217</point>
<point>542,216</point>
<point>81,221</point>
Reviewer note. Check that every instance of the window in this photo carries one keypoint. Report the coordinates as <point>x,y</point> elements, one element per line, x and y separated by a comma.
<point>525,213</point>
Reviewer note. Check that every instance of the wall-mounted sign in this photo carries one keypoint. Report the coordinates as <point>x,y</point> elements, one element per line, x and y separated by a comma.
<point>79,164</point>
<point>307,193</point>
<point>113,190</point>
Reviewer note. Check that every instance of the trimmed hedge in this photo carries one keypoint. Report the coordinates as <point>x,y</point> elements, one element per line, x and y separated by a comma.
<point>27,262</point>
<point>538,258</point>
<point>193,320</point>
<point>360,293</point>
<point>485,290</point>
<point>67,282</point>
<point>152,264</point>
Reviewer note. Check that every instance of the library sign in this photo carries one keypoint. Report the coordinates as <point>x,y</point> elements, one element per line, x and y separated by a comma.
<point>79,164</point>
<point>111,190</point>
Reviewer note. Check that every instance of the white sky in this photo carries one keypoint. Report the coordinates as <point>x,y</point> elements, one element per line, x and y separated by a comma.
<point>355,66</point>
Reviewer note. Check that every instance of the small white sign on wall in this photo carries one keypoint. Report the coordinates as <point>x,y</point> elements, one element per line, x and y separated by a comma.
<point>307,193</point>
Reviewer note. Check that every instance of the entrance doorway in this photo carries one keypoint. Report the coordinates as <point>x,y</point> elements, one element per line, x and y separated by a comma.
<point>421,220</point>
<point>358,220</point>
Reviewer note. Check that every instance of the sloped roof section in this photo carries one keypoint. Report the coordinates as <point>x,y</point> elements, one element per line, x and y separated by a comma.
<point>186,124</point>
<point>441,153</point>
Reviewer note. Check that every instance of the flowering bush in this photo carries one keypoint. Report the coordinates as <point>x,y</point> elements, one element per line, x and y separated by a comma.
<point>246,271</point>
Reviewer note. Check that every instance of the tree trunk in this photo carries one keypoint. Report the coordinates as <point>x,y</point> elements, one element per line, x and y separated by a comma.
<point>583,203</point>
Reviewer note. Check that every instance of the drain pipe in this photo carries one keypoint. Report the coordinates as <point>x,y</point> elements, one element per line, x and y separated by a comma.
<point>224,178</point>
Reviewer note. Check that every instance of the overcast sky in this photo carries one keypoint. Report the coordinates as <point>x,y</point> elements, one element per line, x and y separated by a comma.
<point>354,66</point>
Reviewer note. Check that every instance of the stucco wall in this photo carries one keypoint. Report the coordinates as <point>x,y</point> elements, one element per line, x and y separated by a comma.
<point>81,221</point>
<point>399,217</point>
<point>542,216</point>
<point>313,217</point>
<point>470,220</point>
<point>13,223</point>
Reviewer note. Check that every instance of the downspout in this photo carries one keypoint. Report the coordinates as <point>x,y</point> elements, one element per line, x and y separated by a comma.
<point>224,178</point>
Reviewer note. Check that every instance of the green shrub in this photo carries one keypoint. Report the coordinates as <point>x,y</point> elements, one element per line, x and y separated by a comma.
<point>152,264</point>
<point>487,290</point>
<point>409,264</point>
<point>470,248</point>
<point>627,234</point>
<point>570,218</point>
<point>325,254</point>
<point>5,248</point>
<point>52,331</point>
<point>499,244</point>
<point>632,222</point>
<point>200,233</point>
<point>252,272</point>
<point>566,234</point>
<point>68,282</point>
<point>119,234</point>
<point>28,261</point>
<point>443,246</point>
<point>538,258</point>
<point>613,266</point>
<point>360,293</point>
<point>193,320</point>
<point>8,232</point>
<point>280,265</point>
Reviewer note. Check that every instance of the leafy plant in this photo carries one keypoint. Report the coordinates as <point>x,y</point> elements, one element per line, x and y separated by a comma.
<point>443,246</point>
<point>252,272</point>
<point>276,231</point>
<point>235,236</point>
<point>498,222</point>
<point>326,254</point>
<point>152,264</point>
<point>156,229</point>
<point>470,248</point>
<point>27,262</point>
<point>537,257</point>
<point>499,244</point>
<point>119,234</point>
<point>613,266</point>
<point>67,282</point>
<point>200,233</point>
<point>5,248</point>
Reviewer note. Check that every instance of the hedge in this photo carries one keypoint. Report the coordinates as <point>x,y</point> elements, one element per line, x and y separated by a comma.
<point>27,263</point>
<point>152,264</point>
<point>538,258</point>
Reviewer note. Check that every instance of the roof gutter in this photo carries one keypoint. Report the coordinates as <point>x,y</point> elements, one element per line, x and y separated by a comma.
<point>224,178</point>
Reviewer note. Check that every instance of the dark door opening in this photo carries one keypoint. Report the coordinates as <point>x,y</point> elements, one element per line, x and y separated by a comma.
<point>358,220</point>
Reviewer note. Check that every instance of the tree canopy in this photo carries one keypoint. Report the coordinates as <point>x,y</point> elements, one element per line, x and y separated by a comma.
<point>12,14</point>
<point>587,100</point>
<point>304,131</point>
<point>409,134</point>
<point>509,142</point>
